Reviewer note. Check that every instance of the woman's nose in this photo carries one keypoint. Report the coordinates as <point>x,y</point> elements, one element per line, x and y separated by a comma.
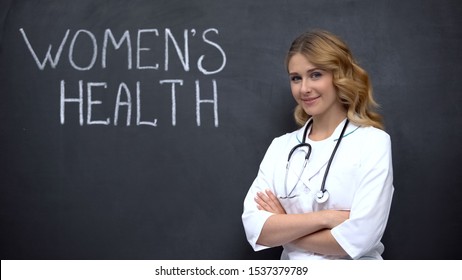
<point>305,86</point>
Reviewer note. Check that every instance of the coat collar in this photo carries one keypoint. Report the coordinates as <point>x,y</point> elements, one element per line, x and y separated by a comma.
<point>350,129</point>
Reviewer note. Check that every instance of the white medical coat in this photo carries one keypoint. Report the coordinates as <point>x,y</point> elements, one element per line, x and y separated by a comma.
<point>360,180</point>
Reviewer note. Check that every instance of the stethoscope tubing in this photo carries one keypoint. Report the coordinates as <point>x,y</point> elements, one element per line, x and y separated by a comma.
<point>323,185</point>
<point>322,195</point>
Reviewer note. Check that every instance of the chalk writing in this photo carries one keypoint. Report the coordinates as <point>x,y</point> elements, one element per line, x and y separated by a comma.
<point>84,47</point>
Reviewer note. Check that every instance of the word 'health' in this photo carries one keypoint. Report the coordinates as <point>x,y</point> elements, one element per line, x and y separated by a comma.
<point>127,100</point>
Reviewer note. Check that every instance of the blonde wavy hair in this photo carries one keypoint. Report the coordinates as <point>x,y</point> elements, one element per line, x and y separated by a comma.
<point>328,52</point>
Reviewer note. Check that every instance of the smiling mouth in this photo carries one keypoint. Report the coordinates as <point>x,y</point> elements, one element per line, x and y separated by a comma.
<point>310,100</point>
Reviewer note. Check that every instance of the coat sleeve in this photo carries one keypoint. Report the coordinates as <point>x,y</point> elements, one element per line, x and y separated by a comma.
<point>252,218</point>
<point>364,229</point>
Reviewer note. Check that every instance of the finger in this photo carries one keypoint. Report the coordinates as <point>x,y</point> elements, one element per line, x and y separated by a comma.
<point>275,203</point>
<point>272,197</point>
<point>264,202</point>
<point>267,200</point>
<point>263,197</point>
<point>273,200</point>
<point>261,205</point>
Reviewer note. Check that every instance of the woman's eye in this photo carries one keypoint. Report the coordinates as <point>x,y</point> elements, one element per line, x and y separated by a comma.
<point>295,78</point>
<point>316,75</point>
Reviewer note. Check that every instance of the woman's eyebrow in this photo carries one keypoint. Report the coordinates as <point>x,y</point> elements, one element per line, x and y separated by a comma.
<point>307,71</point>
<point>313,69</point>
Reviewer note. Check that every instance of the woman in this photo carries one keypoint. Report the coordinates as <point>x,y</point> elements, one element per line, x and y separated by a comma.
<point>330,198</point>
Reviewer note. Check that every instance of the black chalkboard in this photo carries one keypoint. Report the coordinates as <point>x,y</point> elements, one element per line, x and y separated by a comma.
<point>133,129</point>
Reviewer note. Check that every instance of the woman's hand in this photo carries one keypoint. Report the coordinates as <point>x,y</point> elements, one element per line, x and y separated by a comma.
<point>269,202</point>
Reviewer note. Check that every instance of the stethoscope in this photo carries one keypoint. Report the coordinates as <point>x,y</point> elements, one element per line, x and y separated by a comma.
<point>322,195</point>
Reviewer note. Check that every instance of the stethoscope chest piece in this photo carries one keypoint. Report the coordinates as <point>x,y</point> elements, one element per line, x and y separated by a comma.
<point>322,196</point>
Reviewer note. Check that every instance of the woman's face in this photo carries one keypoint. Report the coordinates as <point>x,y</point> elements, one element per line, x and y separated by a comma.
<point>313,88</point>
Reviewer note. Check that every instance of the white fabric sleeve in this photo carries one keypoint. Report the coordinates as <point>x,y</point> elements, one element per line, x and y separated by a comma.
<point>252,218</point>
<point>369,212</point>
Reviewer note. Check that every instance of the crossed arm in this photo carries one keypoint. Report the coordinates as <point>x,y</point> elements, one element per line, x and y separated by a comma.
<point>309,231</point>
